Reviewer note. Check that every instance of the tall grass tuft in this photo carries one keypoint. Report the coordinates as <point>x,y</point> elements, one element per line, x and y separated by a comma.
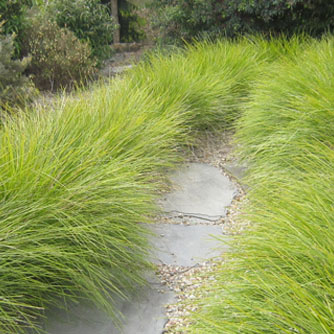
<point>290,105</point>
<point>72,195</point>
<point>208,80</point>
<point>279,276</point>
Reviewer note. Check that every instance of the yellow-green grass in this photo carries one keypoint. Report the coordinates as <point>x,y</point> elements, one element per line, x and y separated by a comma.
<point>290,105</point>
<point>76,181</point>
<point>279,276</point>
<point>209,80</point>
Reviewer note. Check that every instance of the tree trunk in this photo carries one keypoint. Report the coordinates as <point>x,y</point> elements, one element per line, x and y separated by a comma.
<point>114,14</point>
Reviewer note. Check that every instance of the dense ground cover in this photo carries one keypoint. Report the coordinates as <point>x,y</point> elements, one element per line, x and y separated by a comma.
<point>279,276</point>
<point>77,180</point>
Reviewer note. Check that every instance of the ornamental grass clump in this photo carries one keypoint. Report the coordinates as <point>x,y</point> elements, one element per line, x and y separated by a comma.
<point>209,79</point>
<point>76,182</point>
<point>278,277</point>
<point>291,105</point>
<point>272,49</point>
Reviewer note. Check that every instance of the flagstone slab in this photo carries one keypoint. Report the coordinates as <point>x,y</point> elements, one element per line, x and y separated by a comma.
<point>184,245</point>
<point>143,315</point>
<point>200,191</point>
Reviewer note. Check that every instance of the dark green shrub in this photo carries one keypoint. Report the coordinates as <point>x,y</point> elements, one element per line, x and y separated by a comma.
<point>59,59</point>
<point>190,18</point>
<point>15,88</point>
<point>184,19</point>
<point>131,24</point>
<point>88,19</point>
<point>276,16</point>
<point>13,13</point>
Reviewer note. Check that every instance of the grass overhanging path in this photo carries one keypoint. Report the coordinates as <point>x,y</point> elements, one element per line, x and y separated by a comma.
<point>77,180</point>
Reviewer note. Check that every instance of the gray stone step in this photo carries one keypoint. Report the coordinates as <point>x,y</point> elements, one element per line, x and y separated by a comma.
<point>186,245</point>
<point>200,191</point>
<point>145,314</point>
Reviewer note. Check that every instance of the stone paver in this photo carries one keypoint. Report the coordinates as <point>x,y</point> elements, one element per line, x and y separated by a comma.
<point>186,245</point>
<point>143,315</point>
<point>201,191</point>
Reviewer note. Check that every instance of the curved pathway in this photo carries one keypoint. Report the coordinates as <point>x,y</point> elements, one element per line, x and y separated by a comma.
<point>194,214</point>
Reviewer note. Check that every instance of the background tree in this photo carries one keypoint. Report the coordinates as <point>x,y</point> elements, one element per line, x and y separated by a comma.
<point>13,13</point>
<point>128,24</point>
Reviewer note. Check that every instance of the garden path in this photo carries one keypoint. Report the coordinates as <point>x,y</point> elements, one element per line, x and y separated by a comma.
<point>194,214</point>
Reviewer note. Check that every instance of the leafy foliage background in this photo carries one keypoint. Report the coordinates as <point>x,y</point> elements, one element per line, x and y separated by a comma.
<point>186,19</point>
